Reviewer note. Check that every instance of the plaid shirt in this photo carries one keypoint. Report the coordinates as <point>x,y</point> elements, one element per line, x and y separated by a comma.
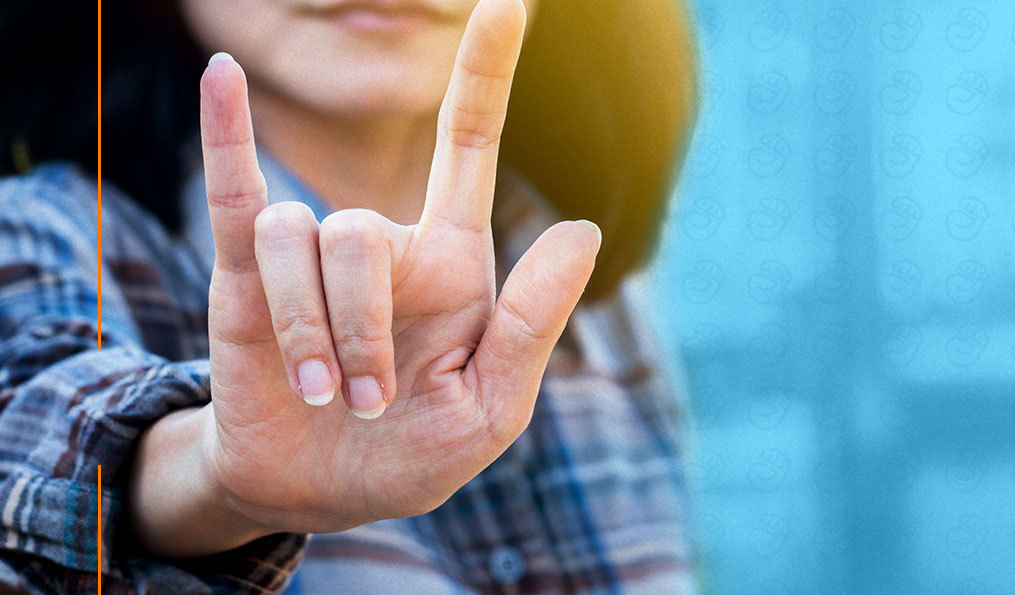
<point>592,496</point>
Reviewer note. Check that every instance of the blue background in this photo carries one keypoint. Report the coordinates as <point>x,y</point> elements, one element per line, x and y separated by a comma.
<point>838,278</point>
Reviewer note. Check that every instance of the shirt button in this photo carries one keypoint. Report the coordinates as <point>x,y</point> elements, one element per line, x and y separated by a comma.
<point>507,564</point>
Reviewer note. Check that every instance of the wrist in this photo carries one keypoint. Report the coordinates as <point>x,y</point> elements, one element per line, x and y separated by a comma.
<point>178,506</point>
<point>243,517</point>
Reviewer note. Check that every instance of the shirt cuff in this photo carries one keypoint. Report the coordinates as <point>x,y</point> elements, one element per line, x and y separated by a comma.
<point>88,410</point>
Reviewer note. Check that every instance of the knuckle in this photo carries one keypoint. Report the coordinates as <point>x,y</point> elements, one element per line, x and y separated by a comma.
<point>283,220</point>
<point>223,193</point>
<point>353,229</point>
<point>502,423</point>
<point>519,323</point>
<point>363,352</point>
<point>486,76</point>
<point>365,329</point>
<point>503,429</point>
<point>471,130</point>
<point>366,342</point>
<point>236,199</point>
<point>290,321</point>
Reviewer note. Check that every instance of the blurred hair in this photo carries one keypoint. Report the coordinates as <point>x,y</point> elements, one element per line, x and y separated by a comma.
<point>601,112</point>
<point>150,95</point>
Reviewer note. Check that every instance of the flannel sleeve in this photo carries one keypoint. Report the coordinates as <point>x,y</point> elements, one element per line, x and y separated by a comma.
<point>67,407</point>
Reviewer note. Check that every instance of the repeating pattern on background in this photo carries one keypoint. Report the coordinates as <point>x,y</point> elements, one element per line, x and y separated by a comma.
<point>838,277</point>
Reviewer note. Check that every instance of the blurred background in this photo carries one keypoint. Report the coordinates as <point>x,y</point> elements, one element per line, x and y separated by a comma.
<point>838,279</point>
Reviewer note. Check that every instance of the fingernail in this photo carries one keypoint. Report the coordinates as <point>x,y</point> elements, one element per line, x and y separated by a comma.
<point>316,384</point>
<point>599,232</point>
<point>220,56</point>
<point>366,398</point>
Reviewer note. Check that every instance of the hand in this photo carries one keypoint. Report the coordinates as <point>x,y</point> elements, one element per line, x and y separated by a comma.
<point>399,319</point>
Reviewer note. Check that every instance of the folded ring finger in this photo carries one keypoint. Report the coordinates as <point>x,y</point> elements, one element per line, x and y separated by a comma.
<point>356,257</point>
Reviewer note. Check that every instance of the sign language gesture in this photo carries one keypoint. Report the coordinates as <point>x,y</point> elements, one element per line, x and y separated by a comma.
<point>435,375</point>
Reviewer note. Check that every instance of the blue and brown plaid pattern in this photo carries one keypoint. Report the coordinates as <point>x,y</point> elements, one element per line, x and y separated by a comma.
<point>591,498</point>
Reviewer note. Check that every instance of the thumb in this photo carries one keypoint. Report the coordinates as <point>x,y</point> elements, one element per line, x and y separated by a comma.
<point>532,310</point>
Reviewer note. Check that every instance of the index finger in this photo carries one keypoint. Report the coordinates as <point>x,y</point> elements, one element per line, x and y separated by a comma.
<point>464,169</point>
<point>233,181</point>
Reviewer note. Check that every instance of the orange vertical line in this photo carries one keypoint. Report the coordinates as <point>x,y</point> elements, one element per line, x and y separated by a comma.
<point>99,542</point>
<point>99,176</point>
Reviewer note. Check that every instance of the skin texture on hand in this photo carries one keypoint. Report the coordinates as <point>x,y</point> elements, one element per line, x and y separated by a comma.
<point>437,375</point>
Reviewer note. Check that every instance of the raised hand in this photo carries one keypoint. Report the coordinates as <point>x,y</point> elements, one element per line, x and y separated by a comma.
<point>399,320</point>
